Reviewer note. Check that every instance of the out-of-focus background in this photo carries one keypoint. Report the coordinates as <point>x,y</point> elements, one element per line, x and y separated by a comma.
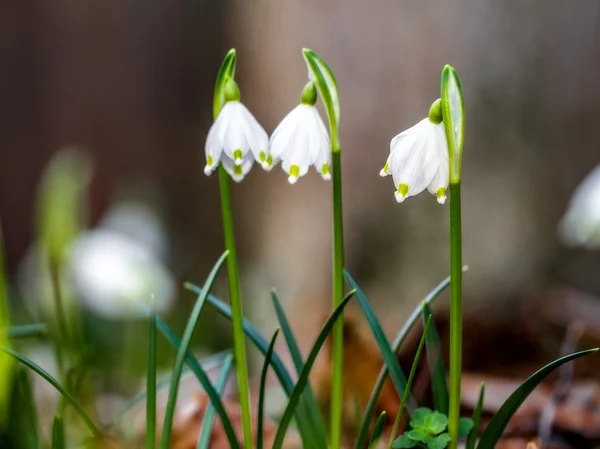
<point>130,84</point>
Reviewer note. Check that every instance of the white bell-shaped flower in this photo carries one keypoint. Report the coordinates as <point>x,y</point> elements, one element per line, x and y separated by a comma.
<point>235,139</point>
<point>301,140</point>
<point>419,159</point>
<point>580,225</point>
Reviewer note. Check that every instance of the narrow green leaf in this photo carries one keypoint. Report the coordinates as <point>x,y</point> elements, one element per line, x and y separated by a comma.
<point>435,361</point>
<point>32,415</point>
<point>420,414</point>
<point>39,330</point>
<point>314,414</point>
<point>261,391</point>
<point>453,114</point>
<point>496,426</point>
<point>209,415</point>
<point>361,439</point>
<point>226,71</point>
<point>151,381</point>
<point>476,419</point>
<point>389,356</point>
<point>276,363</point>
<point>181,357</point>
<point>56,384</point>
<point>203,378</point>
<point>378,429</point>
<point>303,377</point>
<point>327,87</point>
<point>58,433</point>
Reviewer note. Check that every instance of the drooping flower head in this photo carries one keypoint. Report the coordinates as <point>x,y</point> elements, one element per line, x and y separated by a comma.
<point>301,140</point>
<point>419,159</point>
<point>235,139</point>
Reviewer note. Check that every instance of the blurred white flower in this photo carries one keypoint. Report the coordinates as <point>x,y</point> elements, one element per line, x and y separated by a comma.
<point>235,139</point>
<point>580,226</point>
<point>301,140</point>
<point>118,278</point>
<point>419,159</point>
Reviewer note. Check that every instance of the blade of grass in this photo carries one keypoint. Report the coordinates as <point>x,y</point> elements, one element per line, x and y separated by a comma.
<point>58,433</point>
<point>38,330</point>
<point>303,377</point>
<point>497,424</point>
<point>151,381</point>
<point>182,354</point>
<point>276,363</point>
<point>378,429</point>
<point>476,419</point>
<point>160,385</point>
<point>204,380</point>
<point>314,414</point>
<point>435,361</point>
<point>261,391</point>
<point>56,384</point>
<point>411,376</point>
<point>209,414</point>
<point>389,356</point>
<point>32,415</point>
<point>396,345</point>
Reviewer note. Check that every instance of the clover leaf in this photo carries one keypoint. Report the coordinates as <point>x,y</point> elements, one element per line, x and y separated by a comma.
<point>403,441</point>
<point>419,416</point>
<point>464,426</point>
<point>440,442</point>
<point>436,422</point>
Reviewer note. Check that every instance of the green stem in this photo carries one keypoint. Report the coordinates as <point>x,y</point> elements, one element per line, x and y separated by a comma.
<point>239,349</point>
<point>337,399</point>
<point>151,381</point>
<point>455,312</point>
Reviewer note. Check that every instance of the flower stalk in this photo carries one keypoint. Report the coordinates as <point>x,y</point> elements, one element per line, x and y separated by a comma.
<point>452,107</point>
<point>323,77</point>
<point>225,73</point>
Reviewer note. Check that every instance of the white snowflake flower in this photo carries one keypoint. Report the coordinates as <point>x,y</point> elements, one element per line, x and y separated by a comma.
<point>580,225</point>
<point>235,139</point>
<point>301,140</point>
<point>419,159</point>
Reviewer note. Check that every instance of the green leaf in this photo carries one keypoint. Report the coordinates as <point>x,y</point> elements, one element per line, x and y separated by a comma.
<point>261,391</point>
<point>327,86</point>
<point>389,356</point>
<point>226,71</point>
<point>435,361</point>
<point>400,337</point>
<point>453,114</point>
<point>403,442</point>
<point>419,435</point>
<point>436,422</point>
<point>209,415</point>
<point>202,377</point>
<point>439,442</point>
<point>151,380</point>
<point>476,419</point>
<point>276,363</point>
<point>182,354</point>
<point>303,377</point>
<point>465,425</point>
<point>498,423</point>
<point>419,417</point>
<point>314,414</point>
<point>58,433</point>
<point>378,429</point>
<point>56,384</point>
<point>39,330</point>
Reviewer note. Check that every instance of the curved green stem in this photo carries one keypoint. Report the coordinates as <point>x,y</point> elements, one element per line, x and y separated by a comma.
<point>455,312</point>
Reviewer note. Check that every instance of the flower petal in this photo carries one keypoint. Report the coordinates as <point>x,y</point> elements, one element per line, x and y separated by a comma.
<point>237,172</point>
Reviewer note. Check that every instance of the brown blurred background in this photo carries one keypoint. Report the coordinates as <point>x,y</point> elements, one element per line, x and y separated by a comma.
<point>131,82</point>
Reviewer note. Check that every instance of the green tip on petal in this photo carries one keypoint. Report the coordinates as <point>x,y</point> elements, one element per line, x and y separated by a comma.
<point>294,171</point>
<point>237,170</point>
<point>232,91</point>
<point>269,160</point>
<point>237,157</point>
<point>403,189</point>
<point>441,195</point>
<point>385,170</point>
<point>309,94</point>
<point>262,156</point>
<point>435,112</point>
<point>209,161</point>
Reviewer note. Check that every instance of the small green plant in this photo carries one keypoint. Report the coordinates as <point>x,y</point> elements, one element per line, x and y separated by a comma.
<point>428,429</point>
